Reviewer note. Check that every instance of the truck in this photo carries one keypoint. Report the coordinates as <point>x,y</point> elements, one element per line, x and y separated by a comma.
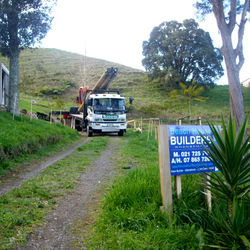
<point>100,110</point>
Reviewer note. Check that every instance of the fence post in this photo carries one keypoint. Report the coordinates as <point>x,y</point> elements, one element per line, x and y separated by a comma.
<point>151,127</point>
<point>30,108</point>
<point>51,116</point>
<point>156,132</point>
<point>148,128</point>
<point>206,178</point>
<point>178,177</point>
<point>141,124</point>
<point>164,165</point>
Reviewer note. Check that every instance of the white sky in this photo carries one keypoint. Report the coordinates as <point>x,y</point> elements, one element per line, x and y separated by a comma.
<point>115,29</point>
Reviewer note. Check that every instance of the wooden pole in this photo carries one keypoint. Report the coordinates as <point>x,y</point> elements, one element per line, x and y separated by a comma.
<point>152,126</point>
<point>165,175</point>
<point>178,178</point>
<point>141,124</point>
<point>148,128</point>
<point>208,195</point>
<point>156,132</point>
<point>51,115</point>
<point>30,108</point>
<point>207,192</point>
<point>200,121</point>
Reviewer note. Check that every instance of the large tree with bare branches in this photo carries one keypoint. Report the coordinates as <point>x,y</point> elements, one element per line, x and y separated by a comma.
<point>231,16</point>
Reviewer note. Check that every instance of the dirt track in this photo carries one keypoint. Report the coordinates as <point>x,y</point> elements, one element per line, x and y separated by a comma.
<point>56,232</point>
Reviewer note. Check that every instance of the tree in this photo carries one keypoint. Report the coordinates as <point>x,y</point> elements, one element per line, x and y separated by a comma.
<point>182,51</point>
<point>23,23</point>
<point>189,94</point>
<point>230,16</point>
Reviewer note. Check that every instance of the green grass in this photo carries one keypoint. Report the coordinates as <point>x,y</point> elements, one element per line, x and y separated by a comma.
<point>23,208</point>
<point>42,105</point>
<point>130,216</point>
<point>21,137</point>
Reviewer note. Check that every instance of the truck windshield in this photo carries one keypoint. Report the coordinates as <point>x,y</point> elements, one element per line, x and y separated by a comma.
<point>109,104</point>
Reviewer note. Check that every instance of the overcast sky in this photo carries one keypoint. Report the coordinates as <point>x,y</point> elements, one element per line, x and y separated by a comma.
<point>115,29</point>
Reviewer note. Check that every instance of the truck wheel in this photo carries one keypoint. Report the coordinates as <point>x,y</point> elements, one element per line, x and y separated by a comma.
<point>89,131</point>
<point>121,133</point>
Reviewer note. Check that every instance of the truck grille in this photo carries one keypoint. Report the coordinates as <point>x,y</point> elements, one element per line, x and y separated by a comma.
<point>110,120</point>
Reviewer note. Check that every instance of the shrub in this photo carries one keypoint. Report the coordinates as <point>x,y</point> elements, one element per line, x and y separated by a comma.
<point>229,225</point>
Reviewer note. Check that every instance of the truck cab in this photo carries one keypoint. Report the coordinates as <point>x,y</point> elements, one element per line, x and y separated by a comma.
<point>105,113</point>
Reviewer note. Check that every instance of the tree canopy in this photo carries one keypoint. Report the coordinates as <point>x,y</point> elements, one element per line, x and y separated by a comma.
<point>23,23</point>
<point>182,52</point>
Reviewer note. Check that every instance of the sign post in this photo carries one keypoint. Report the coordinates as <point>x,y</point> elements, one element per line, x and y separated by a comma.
<point>178,177</point>
<point>181,152</point>
<point>164,164</point>
<point>206,191</point>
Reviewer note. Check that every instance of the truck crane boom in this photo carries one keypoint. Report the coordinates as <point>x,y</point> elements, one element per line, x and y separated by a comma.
<point>101,110</point>
<point>101,86</point>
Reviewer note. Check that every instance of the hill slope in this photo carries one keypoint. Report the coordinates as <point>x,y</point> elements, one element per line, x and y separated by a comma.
<point>46,74</point>
<point>22,136</point>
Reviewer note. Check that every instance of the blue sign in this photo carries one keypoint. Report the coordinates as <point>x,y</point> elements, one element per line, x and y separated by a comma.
<point>186,152</point>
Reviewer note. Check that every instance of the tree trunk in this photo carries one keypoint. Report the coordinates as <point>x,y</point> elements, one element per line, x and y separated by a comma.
<point>234,58</point>
<point>14,79</point>
<point>236,97</point>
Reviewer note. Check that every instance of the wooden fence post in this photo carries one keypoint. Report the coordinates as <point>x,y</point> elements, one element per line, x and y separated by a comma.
<point>178,177</point>
<point>30,108</point>
<point>148,128</point>
<point>152,126</point>
<point>141,124</point>
<point>156,132</point>
<point>165,175</point>
<point>206,178</point>
<point>51,115</point>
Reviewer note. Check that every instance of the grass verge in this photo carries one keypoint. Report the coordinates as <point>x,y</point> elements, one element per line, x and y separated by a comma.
<point>22,137</point>
<point>23,208</point>
<point>129,216</point>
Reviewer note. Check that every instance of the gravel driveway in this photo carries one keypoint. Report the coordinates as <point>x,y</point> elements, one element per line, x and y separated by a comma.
<point>56,231</point>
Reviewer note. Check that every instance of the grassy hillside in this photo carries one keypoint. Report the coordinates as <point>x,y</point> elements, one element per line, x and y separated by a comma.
<point>20,137</point>
<point>52,72</point>
<point>47,74</point>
